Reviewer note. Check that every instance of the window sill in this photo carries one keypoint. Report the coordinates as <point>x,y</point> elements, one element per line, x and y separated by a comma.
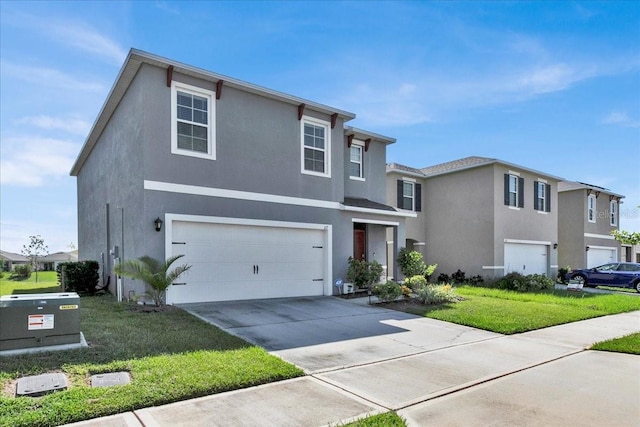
<point>318,174</point>
<point>514,208</point>
<point>357,178</point>
<point>543,212</point>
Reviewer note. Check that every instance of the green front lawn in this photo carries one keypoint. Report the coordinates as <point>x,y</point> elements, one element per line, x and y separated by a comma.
<point>170,355</point>
<point>388,419</point>
<point>627,344</point>
<point>47,282</point>
<point>509,312</point>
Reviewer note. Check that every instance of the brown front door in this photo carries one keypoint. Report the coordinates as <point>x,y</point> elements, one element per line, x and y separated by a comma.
<point>359,242</point>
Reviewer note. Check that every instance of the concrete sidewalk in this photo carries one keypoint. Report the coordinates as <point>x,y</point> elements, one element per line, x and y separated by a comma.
<point>543,377</point>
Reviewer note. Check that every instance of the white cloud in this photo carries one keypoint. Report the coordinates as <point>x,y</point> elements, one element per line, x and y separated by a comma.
<point>57,235</point>
<point>620,118</point>
<point>70,125</point>
<point>48,77</point>
<point>34,161</point>
<point>88,40</point>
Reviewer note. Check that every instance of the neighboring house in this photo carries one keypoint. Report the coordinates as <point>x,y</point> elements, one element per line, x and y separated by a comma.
<point>588,215</point>
<point>483,216</point>
<point>50,262</point>
<point>266,194</point>
<point>10,260</point>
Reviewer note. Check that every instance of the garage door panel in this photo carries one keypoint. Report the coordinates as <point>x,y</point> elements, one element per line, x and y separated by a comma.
<point>599,256</point>
<point>231,262</point>
<point>525,258</point>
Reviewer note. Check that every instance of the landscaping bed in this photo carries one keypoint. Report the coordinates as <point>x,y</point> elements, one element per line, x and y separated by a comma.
<point>170,356</point>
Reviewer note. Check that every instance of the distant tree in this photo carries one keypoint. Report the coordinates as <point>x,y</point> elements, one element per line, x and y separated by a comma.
<point>35,249</point>
<point>626,237</point>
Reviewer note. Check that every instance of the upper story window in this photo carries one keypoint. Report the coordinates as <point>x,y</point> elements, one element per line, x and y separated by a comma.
<point>513,190</point>
<point>591,208</point>
<point>409,195</point>
<point>316,145</point>
<point>356,158</point>
<point>542,196</point>
<point>613,213</point>
<point>192,121</point>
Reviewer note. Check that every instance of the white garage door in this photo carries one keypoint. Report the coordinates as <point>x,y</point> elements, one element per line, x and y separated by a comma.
<point>233,262</point>
<point>599,256</point>
<point>525,258</point>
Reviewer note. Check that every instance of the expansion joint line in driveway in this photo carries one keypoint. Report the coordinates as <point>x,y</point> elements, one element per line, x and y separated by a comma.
<point>449,391</point>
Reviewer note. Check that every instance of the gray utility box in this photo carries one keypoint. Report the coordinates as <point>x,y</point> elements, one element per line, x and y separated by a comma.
<point>39,320</point>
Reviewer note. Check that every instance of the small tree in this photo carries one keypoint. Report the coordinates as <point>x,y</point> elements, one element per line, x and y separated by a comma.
<point>154,273</point>
<point>363,274</point>
<point>35,249</point>
<point>626,237</point>
<point>411,263</point>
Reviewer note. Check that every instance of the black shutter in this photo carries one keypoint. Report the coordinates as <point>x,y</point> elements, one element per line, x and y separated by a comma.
<point>506,189</point>
<point>418,196</point>
<point>521,192</point>
<point>535,196</point>
<point>400,192</point>
<point>548,198</point>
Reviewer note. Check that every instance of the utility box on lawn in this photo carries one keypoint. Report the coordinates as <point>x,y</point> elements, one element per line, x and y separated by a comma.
<point>39,320</point>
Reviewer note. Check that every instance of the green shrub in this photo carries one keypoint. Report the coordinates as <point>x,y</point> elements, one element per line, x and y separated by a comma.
<point>458,277</point>
<point>387,292</point>
<point>443,278</point>
<point>21,272</point>
<point>562,274</point>
<point>475,280</point>
<point>429,271</point>
<point>530,283</point>
<point>437,294</point>
<point>81,277</point>
<point>415,282</point>
<point>363,274</point>
<point>411,263</point>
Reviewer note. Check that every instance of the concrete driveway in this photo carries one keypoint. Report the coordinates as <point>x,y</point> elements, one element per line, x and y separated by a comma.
<point>327,333</point>
<point>364,360</point>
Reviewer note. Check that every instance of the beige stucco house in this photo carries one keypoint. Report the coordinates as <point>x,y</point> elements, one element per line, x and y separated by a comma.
<point>588,216</point>
<point>481,215</point>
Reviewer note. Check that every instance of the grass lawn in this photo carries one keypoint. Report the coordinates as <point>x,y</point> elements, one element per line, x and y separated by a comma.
<point>388,419</point>
<point>170,356</point>
<point>47,282</point>
<point>509,312</point>
<point>627,344</point>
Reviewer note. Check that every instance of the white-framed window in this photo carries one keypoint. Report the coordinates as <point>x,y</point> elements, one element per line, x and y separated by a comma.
<point>408,195</point>
<point>541,195</point>
<point>356,161</point>
<point>192,121</point>
<point>613,213</point>
<point>591,208</point>
<point>315,147</point>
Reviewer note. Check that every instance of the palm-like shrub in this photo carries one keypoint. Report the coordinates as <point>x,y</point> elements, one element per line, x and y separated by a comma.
<point>154,273</point>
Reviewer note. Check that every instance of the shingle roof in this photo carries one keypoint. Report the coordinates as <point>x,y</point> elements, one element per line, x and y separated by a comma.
<point>60,257</point>
<point>10,256</point>
<point>573,185</point>
<point>465,163</point>
<point>366,203</point>
<point>398,167</point>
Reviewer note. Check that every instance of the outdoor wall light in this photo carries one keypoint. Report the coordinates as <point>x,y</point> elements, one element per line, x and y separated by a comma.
<point>158,223</point>
<point>555,246</point>
<point>586,249</point>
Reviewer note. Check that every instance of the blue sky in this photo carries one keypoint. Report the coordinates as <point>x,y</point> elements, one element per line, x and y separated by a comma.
<point>553,86</point>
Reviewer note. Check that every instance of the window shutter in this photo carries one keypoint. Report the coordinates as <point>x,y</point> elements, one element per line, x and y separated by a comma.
<point>400,193</point>
<point>535,196</point>
<point>418,196</point>
<point>506,189</point>
<point>521,192</point>
<point>548,198</point>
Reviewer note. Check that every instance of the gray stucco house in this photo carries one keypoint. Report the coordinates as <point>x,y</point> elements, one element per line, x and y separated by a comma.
<point>10,260</point>
<point>266,194</point>
<point>588,216</point>
<point>483,216</point>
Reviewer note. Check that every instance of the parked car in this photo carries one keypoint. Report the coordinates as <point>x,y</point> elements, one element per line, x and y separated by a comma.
<point>619,274</point>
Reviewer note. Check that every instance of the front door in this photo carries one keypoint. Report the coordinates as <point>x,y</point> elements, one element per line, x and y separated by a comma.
<point>359,241</point>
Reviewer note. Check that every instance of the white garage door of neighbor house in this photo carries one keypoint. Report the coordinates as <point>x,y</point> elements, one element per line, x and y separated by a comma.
<point>234,262</point>
<point>525,258</point>
<point>600,256</point>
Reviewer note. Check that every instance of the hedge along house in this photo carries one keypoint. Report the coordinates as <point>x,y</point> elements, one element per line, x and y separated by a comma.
<point>588,216</point>
<point>266,194</point>
<point>483,216</point>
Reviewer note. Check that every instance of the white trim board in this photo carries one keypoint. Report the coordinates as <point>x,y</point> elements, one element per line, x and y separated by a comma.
<point>198,190</point>
<point>375,222</point>
<point>599,236</point>
<point>493,267</point>
<point>527,242</point>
